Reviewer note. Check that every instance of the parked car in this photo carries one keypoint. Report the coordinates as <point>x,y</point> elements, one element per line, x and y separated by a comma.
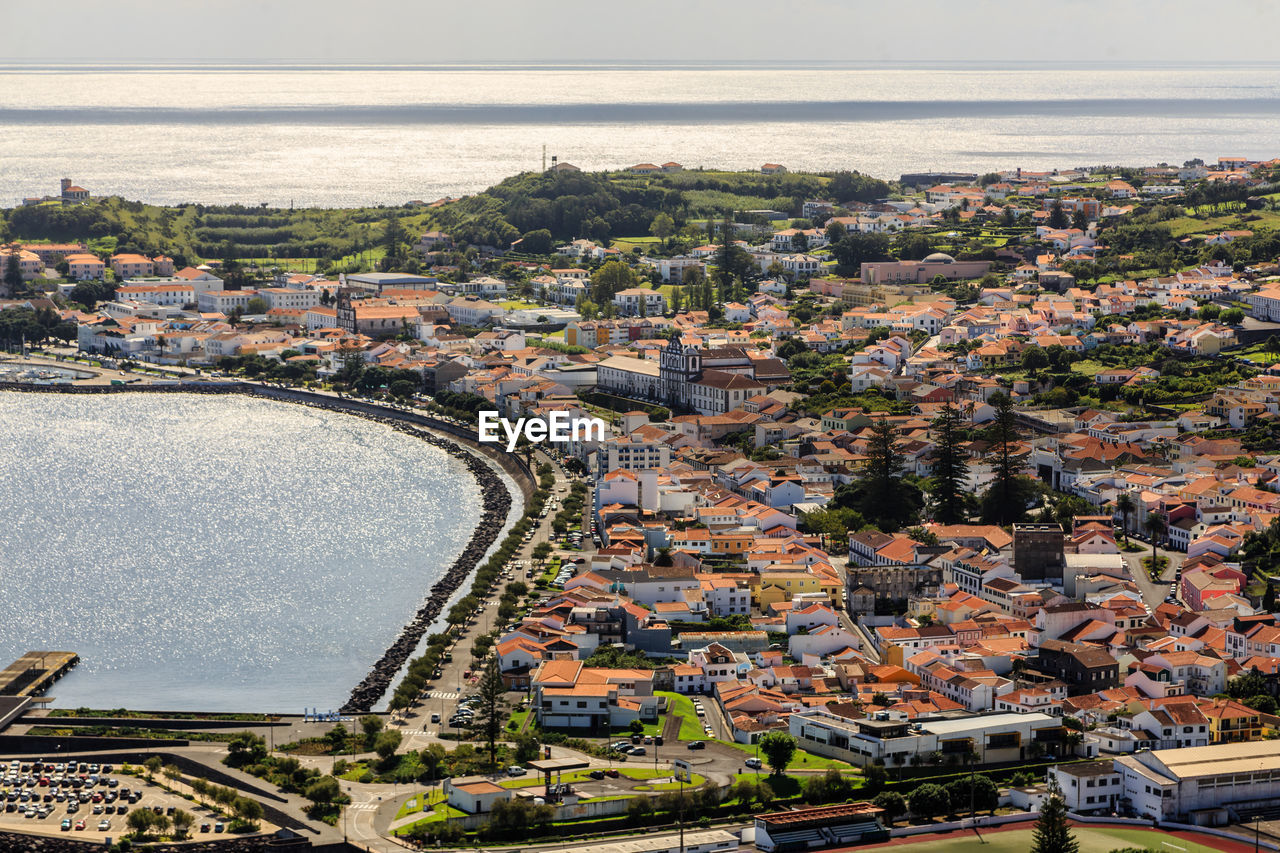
<point>104,825</point>
<point>516,770</point>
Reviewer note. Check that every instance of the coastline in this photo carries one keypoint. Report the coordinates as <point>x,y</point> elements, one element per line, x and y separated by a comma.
<point>479,459</point>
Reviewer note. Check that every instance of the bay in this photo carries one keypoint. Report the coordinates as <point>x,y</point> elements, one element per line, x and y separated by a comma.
<point>216,553</point>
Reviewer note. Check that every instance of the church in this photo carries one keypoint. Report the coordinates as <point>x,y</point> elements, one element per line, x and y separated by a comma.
<point>686,378</point>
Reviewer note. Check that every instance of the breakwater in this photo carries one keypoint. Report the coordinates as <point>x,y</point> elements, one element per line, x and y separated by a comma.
<point>496,503</point>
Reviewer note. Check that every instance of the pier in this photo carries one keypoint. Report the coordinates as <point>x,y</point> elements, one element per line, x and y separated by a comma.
<point>35,672</point>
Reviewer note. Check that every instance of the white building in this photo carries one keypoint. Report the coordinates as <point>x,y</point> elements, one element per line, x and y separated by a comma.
<point>1202,785</point>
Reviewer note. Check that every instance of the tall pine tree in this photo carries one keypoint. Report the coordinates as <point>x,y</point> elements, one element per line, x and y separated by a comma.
<point>1052,834</point>
<point>881,495</point>
<point>950,470</point>
<point>1005,501</point>
<point>491,709</point>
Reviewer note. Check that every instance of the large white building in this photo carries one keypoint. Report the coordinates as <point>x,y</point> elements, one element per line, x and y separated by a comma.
<point>1204,785</point>
<point>995,737</point>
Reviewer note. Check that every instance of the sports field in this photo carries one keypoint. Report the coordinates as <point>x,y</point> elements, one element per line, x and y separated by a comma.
<point>1092,840</point>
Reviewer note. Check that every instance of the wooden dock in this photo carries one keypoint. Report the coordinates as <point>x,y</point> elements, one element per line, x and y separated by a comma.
<point>35,672</point>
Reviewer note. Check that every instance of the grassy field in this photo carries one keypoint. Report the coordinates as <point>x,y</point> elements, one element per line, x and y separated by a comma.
<point>802,760</point>
<point>440,811</point>
<point>626,244</point>
<point>1257,353</point>
<point>682,707</point>
<point>1088,367</point>
<point>1209,225</point>
<point>435,799</point>
<point>1091,839</point>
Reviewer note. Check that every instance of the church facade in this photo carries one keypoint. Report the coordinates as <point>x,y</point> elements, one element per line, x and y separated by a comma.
<point>686,378</point>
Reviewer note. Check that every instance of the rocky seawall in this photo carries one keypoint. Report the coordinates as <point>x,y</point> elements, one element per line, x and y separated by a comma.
<point>496,505</point>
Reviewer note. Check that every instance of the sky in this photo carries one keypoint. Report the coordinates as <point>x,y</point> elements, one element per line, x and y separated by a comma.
<point>426,31</point>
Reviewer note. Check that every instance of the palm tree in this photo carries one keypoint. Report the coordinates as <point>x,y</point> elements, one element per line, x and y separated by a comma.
<point>1155,527</point>
<point>1124,503</point>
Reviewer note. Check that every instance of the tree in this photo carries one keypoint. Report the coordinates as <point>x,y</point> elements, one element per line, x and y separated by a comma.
<point>1125,504</point>
<point>153,766</point>
<point>778,749</point>
<point>536,242</point>
<point>1155,527</point>
<point>979,791</point>
<point>873,778</point>
<point>1079,220</point>
<point>1269,599</point>
<point>663,226</point>
<point>491,708</point>
<point>853,250</point>
<point>387,743</point>
<point>13,275</point>
<point>182,821</point>
<point>950,469</point>
<point>1052,833</point>
<point>1057,216</point>
<point>1034,358</point>
<point>1232,316</point>
<point>371,725</point>
<point>893,803</point>
<point>142,821</point>
<point>323,790</point>
<point>929,800</point>
<point>609,279</point>
<point>1006,501</point>
<point>247,810</point>
<point>881,495</point>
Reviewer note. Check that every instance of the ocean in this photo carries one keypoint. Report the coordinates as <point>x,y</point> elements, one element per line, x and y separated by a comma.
<point>347,135</point>
<point>216,553</point>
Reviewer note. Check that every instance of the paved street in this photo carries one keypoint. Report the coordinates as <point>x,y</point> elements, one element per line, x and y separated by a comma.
<point>1153,592</point>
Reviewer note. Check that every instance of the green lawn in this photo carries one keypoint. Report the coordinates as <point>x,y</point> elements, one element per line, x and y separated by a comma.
<point>1091,839</point>
<point>682,707</point>
<point>650,729</point>
<point>521,719</point>
<point>802,760</point>
<point>691,729</point>
<point>518,304</point>
<point>1088,367</point>
<point>626,244</point>
<point>434,798</point>
<point>782,786</point>
<point>635,774</point>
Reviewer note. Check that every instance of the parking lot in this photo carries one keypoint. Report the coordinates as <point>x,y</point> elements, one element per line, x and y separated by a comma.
<point>84,800</point>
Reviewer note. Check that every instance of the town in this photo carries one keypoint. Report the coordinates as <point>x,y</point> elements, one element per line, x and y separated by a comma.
<point>900,481</point>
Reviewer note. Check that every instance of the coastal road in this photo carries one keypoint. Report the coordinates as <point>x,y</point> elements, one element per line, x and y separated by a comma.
<point>445,692</point>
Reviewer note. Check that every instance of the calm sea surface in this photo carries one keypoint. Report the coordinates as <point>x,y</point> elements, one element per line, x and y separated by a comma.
<point>352,135</point>
<point>216,552</point>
